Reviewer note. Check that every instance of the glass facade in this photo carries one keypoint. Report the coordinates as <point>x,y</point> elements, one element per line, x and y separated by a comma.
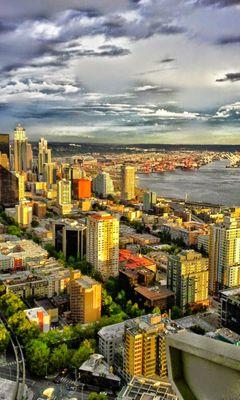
<point>8,188</point>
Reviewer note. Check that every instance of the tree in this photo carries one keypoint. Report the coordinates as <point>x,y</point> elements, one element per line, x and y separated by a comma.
<point>156,310</point>
<point>34,223</point>
<point>37,355</point>
<point>176,312</point>
<point>4,338</point>
<point>14,230</point>
<point>24,329</point>
<point>60,358</point>
<point>10,303</point>
<point>97,396</point>
<point>82,354</point>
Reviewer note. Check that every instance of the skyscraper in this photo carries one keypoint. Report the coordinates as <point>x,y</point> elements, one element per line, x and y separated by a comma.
<point>145,348</point>
<point>103,244</point>
<point>21,152</point>
<point>44,155</point>
<point>149,200</point>
<point>127,182</point>
<point>24,213</point>
<point>103,184</point>
<point>187,277</point>
<point>64,192</point>
<point>8,188</point>
<point>224,254</point>
<point>21,185</point>
<point>82,188</point>
<point>50,173</point>
<point>85,298</point>
<point>4,151</point>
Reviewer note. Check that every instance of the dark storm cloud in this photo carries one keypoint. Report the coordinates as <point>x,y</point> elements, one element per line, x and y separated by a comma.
<point>231,77</point>
<point>228,40</point>
<point>167,60</point>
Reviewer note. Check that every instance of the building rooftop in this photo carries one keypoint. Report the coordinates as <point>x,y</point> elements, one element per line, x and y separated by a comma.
<point>131,260</point>
<point>32,313</point>
<point>234,294</point>
<point>154,292</point>
<point>141,388</point>
<point>98,367</point>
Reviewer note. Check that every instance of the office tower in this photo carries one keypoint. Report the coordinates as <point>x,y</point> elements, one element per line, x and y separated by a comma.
<point>188,278</point>
<point>50,173</point>
<point>8,188</point>
<point>29,156</point>
<point>66,171</point>
<point>103,185</point>
<point>70,238</point>
<point>128,182</point>
<point>4,151</point>
<point>149,200</point>
<point>64,192</point>
<point>85,298</point>
<point>82,188</point>
<point>24,213</point>
<point>103,244</point>
<point>229,309</point>
<point>44,155</point>
<point>21,152</point>
<point>145,348</point>
<point>224,254</point>
<point>77,172</point>
<point>21,185</point>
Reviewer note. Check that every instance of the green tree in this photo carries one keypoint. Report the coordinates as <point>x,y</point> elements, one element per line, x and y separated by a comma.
<point>14,230</point>
<point>24,329</point>
<point>60,358</point>
<point>34,223</point>
<point>37,355</point>
<point>176,312</point>
<point>156,310</point>
<point>10,304</point>
<point>4,338</point>
<point>97,396</point>
<point>82,353</point>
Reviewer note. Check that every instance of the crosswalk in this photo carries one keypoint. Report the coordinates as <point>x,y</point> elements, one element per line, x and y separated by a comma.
<point>67,381</point>
<point>8,364</point>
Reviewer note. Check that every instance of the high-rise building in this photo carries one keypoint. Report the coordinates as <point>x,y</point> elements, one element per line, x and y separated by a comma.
<point>70,238</point>
<point>50,173</point>
<point>77,172</point>
<point>4,151</point>
<point>187,277</point>
<point>29,156</point>
<point>21,151</point>
<point>21,185</point>
<point>224,254</point>
<point>145,348</point>
<point>149,200</point>
<point>82,188</point>
<point>103,244</point>
<point>103,184</point>
<point>44,155</point>
<point>85,298</point>
<point>24,213</point>
<point>128,182</point>
<point>64,192</point>
<point>8,188</point>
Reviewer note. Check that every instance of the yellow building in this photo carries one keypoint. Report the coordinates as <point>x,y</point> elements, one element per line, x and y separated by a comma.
<point>44,155</point>
<point>50,173</point>
<point>145,348</point>
<point>127,182</point>
<point>21,185</point>
<point>188,278</point>
<point>23,213</point>
<point>103,244</point>
<point>224,253</point>
<point>64,188</point>
<point>85,298</point>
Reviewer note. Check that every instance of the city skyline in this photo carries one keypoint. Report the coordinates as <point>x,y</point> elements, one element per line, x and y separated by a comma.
<point>138,71</point>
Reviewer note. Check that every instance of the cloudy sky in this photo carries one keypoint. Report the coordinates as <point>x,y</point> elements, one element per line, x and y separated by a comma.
<point>126,71</point>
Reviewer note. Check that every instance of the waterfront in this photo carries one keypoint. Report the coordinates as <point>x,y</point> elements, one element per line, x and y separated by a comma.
<point>212,183</point>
